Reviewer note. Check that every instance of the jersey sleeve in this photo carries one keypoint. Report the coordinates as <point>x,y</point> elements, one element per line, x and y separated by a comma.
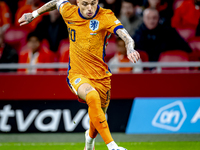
<point>65,8</point>
<point>112,23</point>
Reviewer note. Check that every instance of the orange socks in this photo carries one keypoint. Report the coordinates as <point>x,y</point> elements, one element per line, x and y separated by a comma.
<point>92,131</point>
<point>97,117</point>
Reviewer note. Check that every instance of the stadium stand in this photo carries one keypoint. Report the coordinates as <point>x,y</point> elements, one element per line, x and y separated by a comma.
<point>5,16</point>
<point>174,56</point>
<point>16,37</point>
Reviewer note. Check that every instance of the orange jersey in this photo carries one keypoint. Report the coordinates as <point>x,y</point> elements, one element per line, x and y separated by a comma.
<point>88,40</point>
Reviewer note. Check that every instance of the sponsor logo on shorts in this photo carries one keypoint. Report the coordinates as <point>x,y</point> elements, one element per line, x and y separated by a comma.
<point>77,80</point>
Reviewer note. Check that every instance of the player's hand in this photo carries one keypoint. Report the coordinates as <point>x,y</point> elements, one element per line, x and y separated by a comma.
<point>133,56</point>
<point>25,19</point>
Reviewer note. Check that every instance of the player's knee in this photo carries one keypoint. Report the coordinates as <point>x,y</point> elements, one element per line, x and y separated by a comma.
<point>93,99</point>
<point>84,89</point>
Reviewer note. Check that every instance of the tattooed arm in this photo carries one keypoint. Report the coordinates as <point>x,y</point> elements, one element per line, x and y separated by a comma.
<point>28,17</point>
<point>132,54</point>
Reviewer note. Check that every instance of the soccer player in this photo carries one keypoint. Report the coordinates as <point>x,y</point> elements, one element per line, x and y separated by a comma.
<point>88,75</point>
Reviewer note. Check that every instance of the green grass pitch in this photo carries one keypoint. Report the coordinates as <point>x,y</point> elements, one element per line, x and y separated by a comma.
<point>101,146</point>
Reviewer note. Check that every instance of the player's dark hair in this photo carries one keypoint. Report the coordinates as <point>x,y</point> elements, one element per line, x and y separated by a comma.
<point>34,34</point>
<point>146,3</point>
<point>116,7</point>
<point>152,9</point>
<point>133,2</point>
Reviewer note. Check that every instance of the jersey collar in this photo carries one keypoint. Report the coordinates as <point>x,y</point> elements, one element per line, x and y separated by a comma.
<point>79,12</point>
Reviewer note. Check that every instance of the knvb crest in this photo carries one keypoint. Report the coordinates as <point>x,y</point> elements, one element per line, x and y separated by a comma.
<point>94,25</point>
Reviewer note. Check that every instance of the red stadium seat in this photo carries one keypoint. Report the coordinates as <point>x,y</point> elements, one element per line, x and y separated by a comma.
<point>110,50</point>
<point>194,56</point>
<point>186,34</point>
<point>16,37</point>
<point>174,56</point>
<point>177,3</point>
<point>63,46</point>
<point>194,43</point>
<point>45,43</point>
<point>195,46</point>
<point>143,55</point>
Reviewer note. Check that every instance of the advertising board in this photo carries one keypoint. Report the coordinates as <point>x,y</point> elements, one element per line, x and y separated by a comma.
<point>57,116</point>
<point>164,115</point>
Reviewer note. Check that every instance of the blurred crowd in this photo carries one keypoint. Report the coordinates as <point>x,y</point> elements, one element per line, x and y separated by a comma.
<point>163,31</point>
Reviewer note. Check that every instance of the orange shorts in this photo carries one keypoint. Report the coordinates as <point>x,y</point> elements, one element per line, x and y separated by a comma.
<point>102,86</point>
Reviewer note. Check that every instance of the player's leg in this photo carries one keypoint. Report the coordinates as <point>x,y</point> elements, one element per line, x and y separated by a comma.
<point>91,134</point>
<point>81,86</point>
<point>96,114</point>
<point>92,130</point>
